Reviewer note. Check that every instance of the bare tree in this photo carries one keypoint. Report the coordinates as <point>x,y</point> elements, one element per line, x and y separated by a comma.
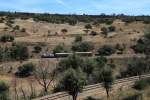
<point>14,82</point>
<point>44,74</point>
<point>32,88</point>
<point>23,93</point>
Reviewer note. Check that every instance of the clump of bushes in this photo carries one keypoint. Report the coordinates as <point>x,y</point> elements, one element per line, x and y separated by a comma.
<point>106,50</point>
<point>25,70</point>
<point>142,45</point>
<point>58,49</point>
<point>6,38</point>
<point>82,47</point>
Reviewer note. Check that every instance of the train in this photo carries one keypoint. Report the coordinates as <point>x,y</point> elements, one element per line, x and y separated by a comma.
<point>58,55</point>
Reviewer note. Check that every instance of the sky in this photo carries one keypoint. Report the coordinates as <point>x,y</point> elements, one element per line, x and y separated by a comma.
<point>94,7</point>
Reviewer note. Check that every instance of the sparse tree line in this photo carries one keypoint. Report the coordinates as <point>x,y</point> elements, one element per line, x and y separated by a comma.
<point>73,19</point>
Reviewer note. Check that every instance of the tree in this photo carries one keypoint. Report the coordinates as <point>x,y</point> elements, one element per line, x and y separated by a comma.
<point>73,82</point>
<point>101,61</point>
<point>44,74</point>
<point>88,66</point>
<point>107,79</point>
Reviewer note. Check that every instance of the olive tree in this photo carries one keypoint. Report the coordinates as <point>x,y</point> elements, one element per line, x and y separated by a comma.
<point>107,79</point>
<point>73,82</point>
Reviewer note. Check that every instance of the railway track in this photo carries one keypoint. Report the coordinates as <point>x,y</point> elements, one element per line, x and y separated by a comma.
<point>88,90</point>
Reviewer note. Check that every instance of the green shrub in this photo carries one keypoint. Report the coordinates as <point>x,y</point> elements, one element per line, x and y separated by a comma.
<point>106,50</point>
<point>6,38</point>
<point>140,85</point>
<point>4,91</point>
<point>139,48</point>
<point>25,70</point>
<point>82,47</point>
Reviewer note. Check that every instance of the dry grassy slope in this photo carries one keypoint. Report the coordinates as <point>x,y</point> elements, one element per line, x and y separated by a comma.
<point>38,32</point>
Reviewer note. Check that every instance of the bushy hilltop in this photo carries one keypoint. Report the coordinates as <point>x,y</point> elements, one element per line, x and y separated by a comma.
<point>72,19</point>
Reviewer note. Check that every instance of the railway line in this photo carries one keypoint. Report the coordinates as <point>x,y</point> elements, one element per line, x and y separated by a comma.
<point>96,89</point>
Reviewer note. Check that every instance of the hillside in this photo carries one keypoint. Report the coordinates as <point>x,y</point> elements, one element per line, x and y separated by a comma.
<point>26,37</point>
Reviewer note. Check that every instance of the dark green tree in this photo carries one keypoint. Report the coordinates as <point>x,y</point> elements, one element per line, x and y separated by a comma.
<point>107,79</point>
<point>73,82</point>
